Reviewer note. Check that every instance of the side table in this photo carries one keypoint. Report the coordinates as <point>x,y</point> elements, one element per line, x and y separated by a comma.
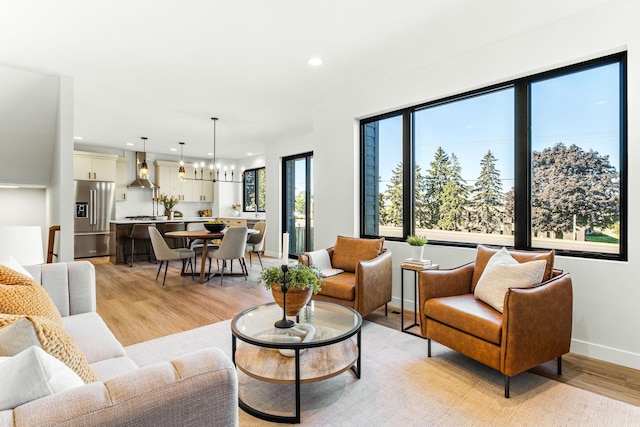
<point>415,270</point>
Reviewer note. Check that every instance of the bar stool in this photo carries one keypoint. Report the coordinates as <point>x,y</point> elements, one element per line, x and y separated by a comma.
<point>174,242</point>
<point>140,232</point>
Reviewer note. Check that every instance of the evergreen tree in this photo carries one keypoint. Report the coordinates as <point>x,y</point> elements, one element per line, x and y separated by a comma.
<point>568,181</point>
<point>436,179</point>
<point>393,198</point>
<point>421,208</point>
<point>488,199</point>
<point>453,198</point>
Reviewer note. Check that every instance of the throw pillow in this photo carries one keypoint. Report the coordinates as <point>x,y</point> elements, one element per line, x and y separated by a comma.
<point>17,337</point>
<point>503,272</point>
<point>349,250</point>
<point>14,265</point>
<point>320,259</point>
<point>485,253</point>
<point>54,340</point>
<point>20,294</point>
<point>33,374</point>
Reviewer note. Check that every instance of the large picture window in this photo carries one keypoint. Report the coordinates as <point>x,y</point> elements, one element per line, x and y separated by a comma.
<point>538,162</point>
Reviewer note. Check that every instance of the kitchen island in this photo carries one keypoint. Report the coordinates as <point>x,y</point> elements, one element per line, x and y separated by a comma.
<point>120,230</point>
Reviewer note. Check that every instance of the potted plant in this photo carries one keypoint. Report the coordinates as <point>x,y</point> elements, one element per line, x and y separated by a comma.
<point>417,246</point>
<point>302,281</point>
<point>168,203</point>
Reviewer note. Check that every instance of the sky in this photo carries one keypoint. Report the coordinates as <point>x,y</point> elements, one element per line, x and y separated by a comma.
<point>580,108</point>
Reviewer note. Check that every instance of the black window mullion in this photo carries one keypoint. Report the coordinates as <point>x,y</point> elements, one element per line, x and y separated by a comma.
<point>522,167</point>
<point>408,175</point>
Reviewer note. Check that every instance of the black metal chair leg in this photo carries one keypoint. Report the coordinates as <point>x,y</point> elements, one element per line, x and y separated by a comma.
<point>259,259</point>
<point>559,362</point>
<point>506,386</point>
<point>250,259</point>
<point>159,268</point>
<point>386,309</point>
<point>428,347</point>
<point>165,272</point>
<point>131,254</point>
<point>224,264</point>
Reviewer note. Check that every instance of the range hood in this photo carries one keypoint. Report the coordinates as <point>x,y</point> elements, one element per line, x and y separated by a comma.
<point>140,182</point>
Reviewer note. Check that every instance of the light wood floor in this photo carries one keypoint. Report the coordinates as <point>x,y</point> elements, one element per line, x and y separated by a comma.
<point>137,308</point>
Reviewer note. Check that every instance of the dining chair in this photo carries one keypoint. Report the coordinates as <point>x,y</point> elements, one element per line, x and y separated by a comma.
<point>196,244</point>
<point>232,247</point>
<point>255,242</point>
<point>164,253</point>
<point>174,242</point>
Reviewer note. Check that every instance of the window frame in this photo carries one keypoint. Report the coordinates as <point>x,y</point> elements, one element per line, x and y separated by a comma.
<point>522,157</point>
<point>256,189</point>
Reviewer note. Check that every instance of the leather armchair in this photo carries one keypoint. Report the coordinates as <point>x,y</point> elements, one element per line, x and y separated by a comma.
<point>535,325</point>
<point>365,287</point>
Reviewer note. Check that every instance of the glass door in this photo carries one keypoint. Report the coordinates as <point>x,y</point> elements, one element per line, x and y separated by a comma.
<point>297,185</point>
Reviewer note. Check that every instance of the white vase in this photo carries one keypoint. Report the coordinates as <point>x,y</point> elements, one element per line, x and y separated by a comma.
<point>236,212</point>
<point>416,253</point>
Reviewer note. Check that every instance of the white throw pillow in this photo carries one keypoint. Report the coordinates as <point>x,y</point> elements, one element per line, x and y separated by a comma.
<point>17,337</point>
<point>321,260</point>
<point>15,266</point>
<point>33,374</point>
<point>503,272</point>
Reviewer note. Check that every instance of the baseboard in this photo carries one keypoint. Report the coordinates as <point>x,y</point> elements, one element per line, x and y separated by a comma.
<point>605,353</point>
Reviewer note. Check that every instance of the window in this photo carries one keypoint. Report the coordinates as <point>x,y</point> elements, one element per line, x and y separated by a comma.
<point>538,162</point>
<point>254,190</point>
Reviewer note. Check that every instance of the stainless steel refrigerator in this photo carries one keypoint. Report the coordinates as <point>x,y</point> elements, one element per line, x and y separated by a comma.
<point>95,207</point>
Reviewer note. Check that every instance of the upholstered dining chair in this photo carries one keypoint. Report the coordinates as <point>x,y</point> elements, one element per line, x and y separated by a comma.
<point>255,242</point>
<point>196,244</point>
<point>232,247</point>
<point>164,253</point>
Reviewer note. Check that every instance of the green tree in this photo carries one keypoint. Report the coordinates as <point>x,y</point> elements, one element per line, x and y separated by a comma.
<point>453,198</point>
<point>488,199</point>
<point>436,179</point>
<point>393,198</point>
<point>568,181</point>
<point>421,208</point>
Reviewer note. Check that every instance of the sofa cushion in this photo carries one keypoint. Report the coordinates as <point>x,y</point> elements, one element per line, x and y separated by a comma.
<point>93,337</point>
<point>349,250</point>
<point>341,286</point>
<point>17,336</point>
<point>33,374</point>
<point>55,341</point>
<point>503,272</point>
<point>466,313</point>
<point>484,254</point>
<point>20,294</point>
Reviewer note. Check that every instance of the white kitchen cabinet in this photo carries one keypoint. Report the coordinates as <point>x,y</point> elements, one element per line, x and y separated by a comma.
<point>203,191</point>
<point>94,166</point>
<point>188,190</point>
<point>122,179</point>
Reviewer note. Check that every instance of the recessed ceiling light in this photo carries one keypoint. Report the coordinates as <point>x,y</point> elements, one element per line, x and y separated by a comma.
<point>173,149</point>
<point>249,154</point>
<point>77,138</point>
<point>130,144</point>
<point>209,154</point>
<point>315,61</point>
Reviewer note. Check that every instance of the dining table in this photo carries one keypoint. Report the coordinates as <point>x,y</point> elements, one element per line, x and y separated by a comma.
<point>206,237</point>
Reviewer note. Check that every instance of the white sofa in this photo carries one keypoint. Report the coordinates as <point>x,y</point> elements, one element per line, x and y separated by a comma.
<point>198,389</point>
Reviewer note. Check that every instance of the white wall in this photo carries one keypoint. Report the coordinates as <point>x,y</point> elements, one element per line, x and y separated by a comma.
<point>605,292</point>
<point>25,206</point>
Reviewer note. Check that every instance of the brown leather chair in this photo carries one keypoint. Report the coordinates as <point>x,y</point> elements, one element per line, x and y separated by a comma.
<point>365,284</point>
<point>535,325</point>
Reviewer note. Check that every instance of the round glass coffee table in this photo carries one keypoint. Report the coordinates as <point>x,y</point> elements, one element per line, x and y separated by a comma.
<point>323,343</point>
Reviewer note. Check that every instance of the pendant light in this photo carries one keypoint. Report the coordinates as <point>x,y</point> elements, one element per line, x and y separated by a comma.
<point>182,173</point>
<point>144,169</point>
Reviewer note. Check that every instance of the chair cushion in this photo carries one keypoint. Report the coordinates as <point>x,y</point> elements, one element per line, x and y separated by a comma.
<point>20,294</point>
<point>341,286</point>
<point>484,254</point>
<point>466,313</point>
<point>503,272</point>
<point>349,250</point>
<point>54,340</point>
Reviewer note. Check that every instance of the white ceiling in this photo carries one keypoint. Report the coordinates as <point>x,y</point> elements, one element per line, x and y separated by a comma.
<point>162,68</point>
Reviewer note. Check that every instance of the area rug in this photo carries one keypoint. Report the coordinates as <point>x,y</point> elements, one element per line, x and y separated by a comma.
<point>401,386</point>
